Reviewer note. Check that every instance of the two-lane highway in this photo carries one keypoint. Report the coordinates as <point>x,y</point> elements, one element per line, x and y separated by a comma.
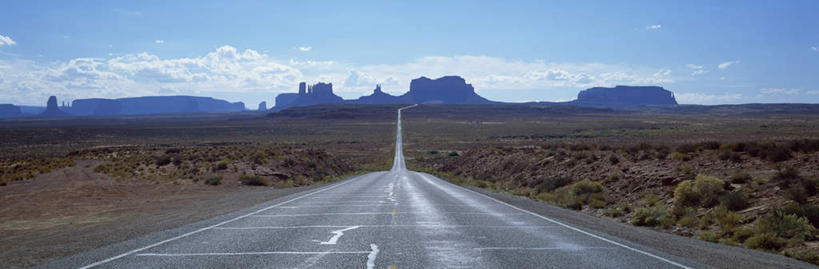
<point>394,219</point>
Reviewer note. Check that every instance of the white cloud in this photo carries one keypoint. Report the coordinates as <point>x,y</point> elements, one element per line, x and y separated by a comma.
<point>727,64</point>
<point>305,49</point>
<point>159,41</point>
<point>779,91</point>
<point>703,98</point>
<point>697,69</point>
<point>814,48</point>
<point>814,92</point>
<point>654,26</point>
<point>6,41</point>
<point>230,71</point>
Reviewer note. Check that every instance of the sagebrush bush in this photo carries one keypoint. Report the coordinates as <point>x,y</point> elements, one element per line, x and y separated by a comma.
<point>588,192</point>
<point>682,156</point>
<point>255,180</point>
<point>221,165</point>
<point>764,241</point>
<point>725,219</point>
<point>650,216</point>
<point>213,181</point>
<point>809,212</point>
<point>704,191</point>
<point>735,200</point>
<point>787,226</point>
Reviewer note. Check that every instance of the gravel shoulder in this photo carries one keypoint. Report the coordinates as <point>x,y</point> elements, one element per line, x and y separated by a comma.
<point>74,210</point>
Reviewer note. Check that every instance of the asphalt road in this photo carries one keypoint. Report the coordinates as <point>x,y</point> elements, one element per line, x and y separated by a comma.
<point>393,219</point>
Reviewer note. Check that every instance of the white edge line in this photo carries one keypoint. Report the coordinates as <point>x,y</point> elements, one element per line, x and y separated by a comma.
<point>577,229</point>
<point>212,226</point>
<point>249,253</point>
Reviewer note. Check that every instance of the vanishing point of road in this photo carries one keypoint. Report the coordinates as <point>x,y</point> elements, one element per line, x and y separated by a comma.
<point>393,219</point>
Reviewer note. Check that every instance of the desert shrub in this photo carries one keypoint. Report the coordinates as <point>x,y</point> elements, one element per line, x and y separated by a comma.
<point>587,192</point>
<point>453,154</point>
<point>797,193</point>
<point>740,178</point>
<point>810,212</point>
<point>787,226</point>
<point>742,234</point>
<point>685,195</point>
<point>259,157</point>
<point>804,255</point>
<point>738,146</point>
<point>432,152</point>
<point>614,212</point>
<point>650,216</point>
<point>651,199</point>
<point>704,190</point>
<point>804,145</point>
<point>682,156</point>
<point>551,184</point>
<point>255,180</point>
<point>163,160</point>
<point>710,145</point>
<point>709,236</point>
<point>709,189</point>
<point>221,165</point>
<point>688,221</point>
<point>177,161</point>
<point>735,200</point>
<point>764,242</point>
<point>214,181</point>
<point>725,219</point>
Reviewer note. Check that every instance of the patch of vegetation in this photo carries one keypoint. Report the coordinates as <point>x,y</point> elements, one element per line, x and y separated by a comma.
<point>734,200</point>
<point>253,180</point>
<point>740,178</point>
<point>703,191</point>
<point>652,216</point>
<point>213,181</point>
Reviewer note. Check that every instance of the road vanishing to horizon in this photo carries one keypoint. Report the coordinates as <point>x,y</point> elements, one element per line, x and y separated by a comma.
<point>391,219</point>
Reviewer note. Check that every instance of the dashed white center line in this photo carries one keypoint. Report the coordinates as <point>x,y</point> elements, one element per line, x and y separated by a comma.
<point>336,235</point>
<point>371,256</point>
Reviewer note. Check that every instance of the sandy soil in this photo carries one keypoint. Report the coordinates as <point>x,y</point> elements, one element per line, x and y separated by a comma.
<point>74,209</point>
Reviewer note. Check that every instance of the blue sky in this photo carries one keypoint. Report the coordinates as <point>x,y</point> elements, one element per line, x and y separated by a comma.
<point>707,52</point>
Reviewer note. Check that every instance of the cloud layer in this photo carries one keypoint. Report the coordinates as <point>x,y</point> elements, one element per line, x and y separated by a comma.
<point>231,71</point>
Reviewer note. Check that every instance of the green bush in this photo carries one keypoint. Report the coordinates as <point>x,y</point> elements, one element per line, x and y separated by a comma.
<point>259,157</point>
<point>453,154</point>
<point>725,219</point>
<point>764,242</point>
<point>685,194</point>
<point>735,200</point>
<point>162,161</point>
<point>650,216</point>
<point>742,234</point>
<point>810,212</point>
<point>587,191</point>
<point>255,180</point>
<point>797,193</point>
<point>214,181</point>
<point>221,165</point>
<point>704,190</point>
<point>710,237</point>
<point>787,226</point>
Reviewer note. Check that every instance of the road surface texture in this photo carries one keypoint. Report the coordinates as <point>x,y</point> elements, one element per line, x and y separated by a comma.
<point>404,219</point>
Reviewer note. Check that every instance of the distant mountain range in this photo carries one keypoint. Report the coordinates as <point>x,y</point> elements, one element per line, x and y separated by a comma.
<point>423,90</point>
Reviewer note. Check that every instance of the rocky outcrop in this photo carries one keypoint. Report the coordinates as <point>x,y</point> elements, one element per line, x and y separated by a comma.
<point>52,110</point>
<point>153,105</point>
<point>625,96</point>
<point>316,94</point>
<point>262,106</point>
<point>9,110</point>
<point>444,90</point>
<point>378,97</point>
